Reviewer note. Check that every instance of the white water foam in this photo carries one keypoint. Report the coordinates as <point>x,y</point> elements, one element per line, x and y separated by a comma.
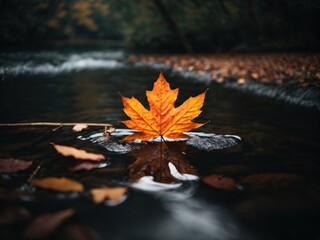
<point>64,67</point>
<point>55,63</point>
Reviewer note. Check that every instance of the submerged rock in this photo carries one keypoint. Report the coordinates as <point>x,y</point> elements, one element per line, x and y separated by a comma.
<point>213,142</point>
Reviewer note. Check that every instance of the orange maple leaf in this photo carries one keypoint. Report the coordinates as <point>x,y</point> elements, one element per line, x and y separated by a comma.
<point>163,119</point>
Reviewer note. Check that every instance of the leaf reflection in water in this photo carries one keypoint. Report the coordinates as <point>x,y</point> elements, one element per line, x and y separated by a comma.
<point>153,159</point>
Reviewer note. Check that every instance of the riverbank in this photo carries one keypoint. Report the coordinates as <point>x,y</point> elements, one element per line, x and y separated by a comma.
<point>288,77</point>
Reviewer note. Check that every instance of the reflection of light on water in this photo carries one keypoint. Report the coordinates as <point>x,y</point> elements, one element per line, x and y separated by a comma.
<point>194,219</point>
<point>183,177</point>
<point>189,218</point>
<point>111,203</point>
<point>146,183</point>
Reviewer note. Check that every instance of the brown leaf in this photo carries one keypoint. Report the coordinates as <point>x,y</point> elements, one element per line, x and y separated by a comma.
<point>78,232</point>
<point>114,194</point>
<point>58,184</point>
<point>13,214</point>
<point>271,179</point>
<point>84,166</point>
<point>152,159</point>
<point>78,153</point>
<point>46,224</point>
<point>220,182</point>
<point>79,127</point>
<point>12,165</point>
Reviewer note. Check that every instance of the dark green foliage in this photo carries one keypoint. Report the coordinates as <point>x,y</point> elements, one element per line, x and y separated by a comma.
<point>206,25</point>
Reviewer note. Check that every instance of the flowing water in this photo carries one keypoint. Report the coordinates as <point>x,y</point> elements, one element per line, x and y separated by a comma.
<point>268,147</point>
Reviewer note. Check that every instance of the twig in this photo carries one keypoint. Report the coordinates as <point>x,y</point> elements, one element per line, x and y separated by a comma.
<point>43,124</point>
<point>35,172</point>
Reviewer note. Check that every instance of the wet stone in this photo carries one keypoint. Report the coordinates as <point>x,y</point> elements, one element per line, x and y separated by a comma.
<point>215,142</point>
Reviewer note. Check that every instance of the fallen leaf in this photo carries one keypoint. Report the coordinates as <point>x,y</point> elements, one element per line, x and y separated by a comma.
<point>58,184</point>
<point>101,194</point>
<point>241,81</point>
<point>80,232</point>
<point>271,179</point>
<point>78,153</point>
<point>87,166</point>
<point>153,158</point>
<point>163,119</point>
<point>79,127</point>
<point>12,165</point>
<point>13,214</point>
<point>46,224</point>
<point>220,182</point>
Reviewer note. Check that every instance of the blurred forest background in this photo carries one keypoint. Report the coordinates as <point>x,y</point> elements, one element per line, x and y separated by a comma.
<point>164,25</point>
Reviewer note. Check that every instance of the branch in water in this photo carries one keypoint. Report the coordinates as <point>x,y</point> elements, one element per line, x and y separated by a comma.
<point>43,124</point>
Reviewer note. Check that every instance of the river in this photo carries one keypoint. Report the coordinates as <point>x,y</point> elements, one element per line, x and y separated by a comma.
<point>275,164</point>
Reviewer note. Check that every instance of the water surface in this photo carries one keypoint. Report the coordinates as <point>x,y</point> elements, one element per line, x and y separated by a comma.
<point>275,163</point>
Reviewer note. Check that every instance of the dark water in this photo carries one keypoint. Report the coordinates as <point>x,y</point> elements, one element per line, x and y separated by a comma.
<point>276,163</point>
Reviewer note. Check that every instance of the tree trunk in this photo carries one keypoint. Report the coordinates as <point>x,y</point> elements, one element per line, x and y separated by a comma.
<point>172,25</point>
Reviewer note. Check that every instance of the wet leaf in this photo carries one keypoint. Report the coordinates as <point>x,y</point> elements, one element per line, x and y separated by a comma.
<point>58,184</point>
<point>46,224</point>
<point>163,119</point>
<point>79,127</point>
<point>12,165</point>
<point>220,182</point>
<point>78,153</point>
<point>271,179</point>
<point>101,194</point>
<point>13,214</point>
<point>87,166</point>
<point>79,232</point>
<point>152,159</point>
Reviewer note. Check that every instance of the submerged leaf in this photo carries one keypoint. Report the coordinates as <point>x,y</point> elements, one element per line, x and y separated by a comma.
<point>276,179</point>
<point>58,184</point>
<point>80,232</point>
<point>221,182</point>
<point>13,214</point>
<point>163,119</point>
<point>78,153</point>
<point>87,166</point>
<point>12,165</point>
<point>101,194</point>
<point>46,224</point>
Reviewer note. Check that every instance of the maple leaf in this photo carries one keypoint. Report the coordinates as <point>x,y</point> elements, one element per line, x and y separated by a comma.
<point>163,119</point>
